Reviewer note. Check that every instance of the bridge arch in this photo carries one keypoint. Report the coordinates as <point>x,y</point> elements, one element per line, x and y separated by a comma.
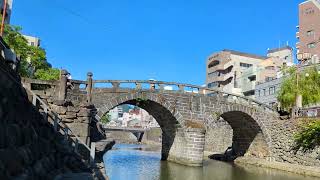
<point>251,134</point>
<point>168,118</point>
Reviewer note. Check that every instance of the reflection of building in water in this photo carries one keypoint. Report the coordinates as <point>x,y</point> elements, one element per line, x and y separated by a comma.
<point>135,117</point>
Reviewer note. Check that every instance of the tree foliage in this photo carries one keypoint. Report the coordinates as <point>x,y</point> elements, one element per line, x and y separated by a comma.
<point>33,60</point>
<point>308,86</point>
<point>47,74</point>
<point>309,136</point>
<point>105,118</point>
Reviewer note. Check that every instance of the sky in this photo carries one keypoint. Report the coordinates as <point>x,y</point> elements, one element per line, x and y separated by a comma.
<point>166,40</point>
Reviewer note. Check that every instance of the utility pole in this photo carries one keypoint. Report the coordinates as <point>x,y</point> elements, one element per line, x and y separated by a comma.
<point>3,16</point>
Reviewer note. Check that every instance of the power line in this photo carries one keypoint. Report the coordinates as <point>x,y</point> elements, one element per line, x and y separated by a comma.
<point>78,15</point>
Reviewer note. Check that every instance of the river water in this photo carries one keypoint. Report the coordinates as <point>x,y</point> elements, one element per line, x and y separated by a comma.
<point>142,162</point>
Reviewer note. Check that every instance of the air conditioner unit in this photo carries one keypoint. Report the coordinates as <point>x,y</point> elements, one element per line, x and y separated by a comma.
<point>10,56</point>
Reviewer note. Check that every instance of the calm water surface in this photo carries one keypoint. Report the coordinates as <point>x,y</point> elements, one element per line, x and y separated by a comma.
<point>142,162</point>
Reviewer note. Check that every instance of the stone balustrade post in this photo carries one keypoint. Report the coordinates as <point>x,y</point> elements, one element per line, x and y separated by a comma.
<point>63,86</point>
<point>89,87</point>
<point>152,87</point>
<point>138,86</point>
<point>181,88</point>
<point>115,85</point>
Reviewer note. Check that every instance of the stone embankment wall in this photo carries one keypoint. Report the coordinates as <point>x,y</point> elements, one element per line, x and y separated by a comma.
<point>284,150</point>
<point>29,147</point>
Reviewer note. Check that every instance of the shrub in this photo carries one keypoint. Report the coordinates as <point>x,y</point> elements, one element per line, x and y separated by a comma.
<point>309,136</point>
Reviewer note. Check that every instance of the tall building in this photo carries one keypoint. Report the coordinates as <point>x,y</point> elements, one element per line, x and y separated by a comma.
<point>8,10</point>
<point>32,41</point>
<point>265,71</point>
<point>308,35</point>
<point>225,68</point>
<point>284,54</point>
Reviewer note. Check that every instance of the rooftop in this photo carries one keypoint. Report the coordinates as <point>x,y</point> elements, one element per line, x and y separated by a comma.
<point>279,49</point>
<point>245,54</point>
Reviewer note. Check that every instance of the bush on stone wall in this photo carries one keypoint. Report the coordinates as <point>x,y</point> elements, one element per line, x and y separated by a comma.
<point>309,135</point>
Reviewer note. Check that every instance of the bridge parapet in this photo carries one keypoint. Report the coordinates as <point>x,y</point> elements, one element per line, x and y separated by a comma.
<point>171,87</point>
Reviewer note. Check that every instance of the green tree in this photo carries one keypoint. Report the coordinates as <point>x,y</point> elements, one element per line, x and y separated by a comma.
<point>308,86</point>
<point>33,62</point>
<point>105,118</point>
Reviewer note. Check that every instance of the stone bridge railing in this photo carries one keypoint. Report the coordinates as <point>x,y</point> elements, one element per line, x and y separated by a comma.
<point>161,86</point>
<point>62,128</point>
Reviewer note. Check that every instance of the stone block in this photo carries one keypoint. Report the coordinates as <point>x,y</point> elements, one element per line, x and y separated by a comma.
<point>79,129</point>
<point>82,120</point>
<point>71,115</point>
<point>84,113</point>
<point>59,109</point>
<point>73,109</point>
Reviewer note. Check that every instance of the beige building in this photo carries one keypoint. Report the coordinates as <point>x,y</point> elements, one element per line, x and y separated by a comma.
<point>285,54</point>
<point>32,41</point>
<point>238,72</point>
<point>265,71</point>
<point>225,68</point>
<point>308,35</point>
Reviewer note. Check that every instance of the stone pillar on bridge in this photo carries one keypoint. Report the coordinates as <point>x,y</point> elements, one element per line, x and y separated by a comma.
<point>89,87</point>
<point>188,147</point>
<point>62,87</point>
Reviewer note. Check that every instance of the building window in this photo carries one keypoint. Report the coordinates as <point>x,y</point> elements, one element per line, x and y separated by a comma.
<point>309,11</point>
<point>264,92</point>
<point>32,43</point>
<point>245,65</point>
<point>310,33</point>
<point>272,90</point>
<point>212,85</point>
<point>258,93</point>
<point>311,45</point>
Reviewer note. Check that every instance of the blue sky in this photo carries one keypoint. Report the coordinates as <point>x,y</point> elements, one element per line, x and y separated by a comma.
<point>166,40</point>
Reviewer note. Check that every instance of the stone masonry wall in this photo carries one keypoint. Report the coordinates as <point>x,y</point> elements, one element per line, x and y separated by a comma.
<point>29,147</point>
<point>218,137</point>
<point>283,137</point>
<point>188,147</point>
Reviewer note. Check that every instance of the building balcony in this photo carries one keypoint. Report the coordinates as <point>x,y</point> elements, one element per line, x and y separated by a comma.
<point>298,45</point>
<point>248,86</point>
<point>297,35</point>
<point>221,78</point>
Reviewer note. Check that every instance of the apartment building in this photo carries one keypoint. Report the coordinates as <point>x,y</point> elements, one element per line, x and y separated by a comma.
<point>265,71</point>
<point>8,10</point>
<point>284,54</point>
<point>32,41</point>
<point>224,69</point>
<point>308,35</point>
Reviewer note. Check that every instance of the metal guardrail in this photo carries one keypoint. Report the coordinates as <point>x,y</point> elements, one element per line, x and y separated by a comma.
<point>182,88</point>
<point>312,112</point>
<point>61,127</point>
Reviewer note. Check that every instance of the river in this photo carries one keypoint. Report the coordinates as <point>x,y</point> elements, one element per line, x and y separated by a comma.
<point>142,162</point>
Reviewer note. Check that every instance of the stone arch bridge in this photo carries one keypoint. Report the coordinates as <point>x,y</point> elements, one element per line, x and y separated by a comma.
<point>183,111</point>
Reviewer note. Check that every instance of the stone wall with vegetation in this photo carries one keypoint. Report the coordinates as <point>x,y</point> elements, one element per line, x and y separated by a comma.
<point>29,147</point>
<point>285,149</point>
